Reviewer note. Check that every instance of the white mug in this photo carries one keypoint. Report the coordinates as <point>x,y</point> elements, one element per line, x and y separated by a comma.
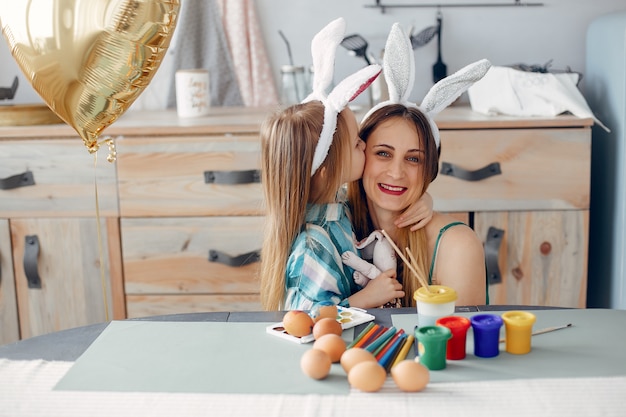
<point>193,97</point>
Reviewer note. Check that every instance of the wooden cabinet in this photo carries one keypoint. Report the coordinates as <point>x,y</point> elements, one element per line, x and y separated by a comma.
<point>51,247</point>
<point>191,212</point>
<point>9,324</point>
<point>182,213</point>
<point>528,183</point>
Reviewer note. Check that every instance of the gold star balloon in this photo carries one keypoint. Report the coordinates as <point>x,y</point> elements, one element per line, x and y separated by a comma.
<point>89,59</point>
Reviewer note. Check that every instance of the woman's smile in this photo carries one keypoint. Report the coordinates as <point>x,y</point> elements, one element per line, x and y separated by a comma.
<point>391,189</point>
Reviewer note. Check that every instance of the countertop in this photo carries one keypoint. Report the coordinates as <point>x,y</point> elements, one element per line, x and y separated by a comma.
<point>248,120</point>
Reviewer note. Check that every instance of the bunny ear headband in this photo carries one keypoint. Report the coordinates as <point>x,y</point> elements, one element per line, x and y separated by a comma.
<point>399,70</point>
<point>324,48</point>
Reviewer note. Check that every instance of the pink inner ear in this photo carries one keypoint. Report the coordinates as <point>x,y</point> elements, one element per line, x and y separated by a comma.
<point>365,85</point>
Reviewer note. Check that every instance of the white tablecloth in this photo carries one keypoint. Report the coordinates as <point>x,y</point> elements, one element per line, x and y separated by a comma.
<point>26,389</point>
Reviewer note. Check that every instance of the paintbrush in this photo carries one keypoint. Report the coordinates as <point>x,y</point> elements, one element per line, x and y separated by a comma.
<point>546,330</point>
<point>421,279</point>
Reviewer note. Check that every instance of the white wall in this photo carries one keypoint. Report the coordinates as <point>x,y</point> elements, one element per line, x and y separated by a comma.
<point>504,35</point>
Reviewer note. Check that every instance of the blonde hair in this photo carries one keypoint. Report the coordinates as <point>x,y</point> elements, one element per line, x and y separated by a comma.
<point>362,222</point>
<point>288,141</point>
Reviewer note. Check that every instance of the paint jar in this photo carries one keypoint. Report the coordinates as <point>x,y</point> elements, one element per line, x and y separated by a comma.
<point>518,326</point>
<point>433,302</point>
<point>432,343</point>
<point>293,85</point>
<point>458,327</point>
<point>486,329</point>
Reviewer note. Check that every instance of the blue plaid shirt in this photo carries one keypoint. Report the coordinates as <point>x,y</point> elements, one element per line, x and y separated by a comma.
<point>315,272</point>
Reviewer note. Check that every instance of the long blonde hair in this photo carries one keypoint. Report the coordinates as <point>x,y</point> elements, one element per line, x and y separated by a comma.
<point>362,222</point>
<point>288,140</point>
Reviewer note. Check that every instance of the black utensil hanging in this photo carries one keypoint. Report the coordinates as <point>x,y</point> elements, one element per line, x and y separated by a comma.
<point>423,37</point>
<point>440,70</point>
<point>358,45</point>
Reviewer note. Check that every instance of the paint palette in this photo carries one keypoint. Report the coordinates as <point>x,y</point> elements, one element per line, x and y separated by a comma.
<point>347,316</point>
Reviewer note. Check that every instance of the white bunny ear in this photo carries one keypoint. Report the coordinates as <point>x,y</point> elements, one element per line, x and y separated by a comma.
<point>346,91</point>
<point>442,94</point>
<point>399,69</point>
<point>399,65</point>
<point>350,87</point>
<point>323,49</point>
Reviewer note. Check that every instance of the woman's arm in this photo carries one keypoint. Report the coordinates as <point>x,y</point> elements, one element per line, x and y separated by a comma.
<point>460,264</point>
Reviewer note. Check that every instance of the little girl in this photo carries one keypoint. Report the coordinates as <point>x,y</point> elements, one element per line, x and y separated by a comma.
<point>308,224</point>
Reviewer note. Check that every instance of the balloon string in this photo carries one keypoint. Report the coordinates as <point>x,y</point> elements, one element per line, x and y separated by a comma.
<point>100,246</point>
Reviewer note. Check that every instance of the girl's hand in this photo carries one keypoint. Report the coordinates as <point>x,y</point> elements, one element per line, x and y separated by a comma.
<point>418,214</point>
<point>379,291</point>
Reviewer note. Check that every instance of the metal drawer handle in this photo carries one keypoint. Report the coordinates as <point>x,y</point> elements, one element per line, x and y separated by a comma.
<point>477,175</point>
<point>492,252</point>
<point>232,177</point>
<point>31,255</point>
<point>235,261</point>
<point>16,181</point>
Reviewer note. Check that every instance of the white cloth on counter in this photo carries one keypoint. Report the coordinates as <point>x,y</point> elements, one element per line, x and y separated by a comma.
<point>513,92</point>
<point>27,389</point>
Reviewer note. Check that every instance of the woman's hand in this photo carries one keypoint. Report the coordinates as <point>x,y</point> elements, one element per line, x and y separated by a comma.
<point>418,214</point>
<point>384,288</point>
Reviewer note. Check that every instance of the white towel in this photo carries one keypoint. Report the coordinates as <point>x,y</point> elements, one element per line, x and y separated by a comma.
<point>509,91</point>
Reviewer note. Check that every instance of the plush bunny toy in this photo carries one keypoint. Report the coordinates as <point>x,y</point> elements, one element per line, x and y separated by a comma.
<point>399,72</point>
<point>374,247</point>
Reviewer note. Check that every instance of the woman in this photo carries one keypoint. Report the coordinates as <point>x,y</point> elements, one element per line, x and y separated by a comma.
<point>401,160</point>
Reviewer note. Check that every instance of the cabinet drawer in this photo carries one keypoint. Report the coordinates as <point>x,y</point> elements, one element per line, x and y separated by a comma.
<point>541,169</point>
<point>166,176</point>
<point>171,255</point>
<point>157,305</point>
<point>63,176</point>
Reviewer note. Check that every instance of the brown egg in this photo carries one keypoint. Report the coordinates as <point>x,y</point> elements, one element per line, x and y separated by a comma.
<point>326,311</point>
<point>326,326</point>
<point>315,364</point>
<point>410,376</point>
<point>353,356</point>
<point>332,344</point>
<point>367,376</point>
<point>298,323</point>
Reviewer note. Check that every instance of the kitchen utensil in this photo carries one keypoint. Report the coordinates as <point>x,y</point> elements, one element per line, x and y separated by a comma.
<point>440,70</point>
<point>357,45</point>
<point>292,90</point>
<point>9,92</point>
<point>282,35</point>
<point>423,37</point>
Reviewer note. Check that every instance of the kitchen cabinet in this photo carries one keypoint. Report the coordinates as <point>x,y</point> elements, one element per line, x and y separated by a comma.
<point>51,247</point>
<point>182,213</point>
<point>191,211</point>
<point>527,182</point>
<point>9,331</point>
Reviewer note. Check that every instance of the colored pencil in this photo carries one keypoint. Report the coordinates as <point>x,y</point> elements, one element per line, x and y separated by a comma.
<point>404,351</point>
<point>381,339</point>
<point>386,346</point>
<point>368,335</point>
<point>360,336</point>
<point>371,338</point>
<point>389,357</point>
